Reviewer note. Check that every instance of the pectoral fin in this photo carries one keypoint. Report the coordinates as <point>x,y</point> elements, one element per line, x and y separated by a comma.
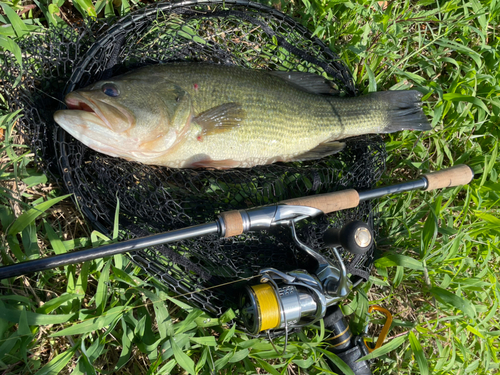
<point>220,119</point>
<point>320,151</point>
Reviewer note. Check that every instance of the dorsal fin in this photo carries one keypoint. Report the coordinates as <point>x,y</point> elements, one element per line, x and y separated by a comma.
<point>308,82</point>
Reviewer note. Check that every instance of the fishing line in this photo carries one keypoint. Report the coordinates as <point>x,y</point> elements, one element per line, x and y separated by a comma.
<point>126,309</point>
<point>267,304</point>
<point>216,286</point>
<point>150,277</point>
<point>50,96</point>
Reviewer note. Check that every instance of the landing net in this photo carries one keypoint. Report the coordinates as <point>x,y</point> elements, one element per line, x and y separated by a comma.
<point>155,199</point>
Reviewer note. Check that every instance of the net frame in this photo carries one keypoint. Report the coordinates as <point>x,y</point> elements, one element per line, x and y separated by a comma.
<point>155,199</point>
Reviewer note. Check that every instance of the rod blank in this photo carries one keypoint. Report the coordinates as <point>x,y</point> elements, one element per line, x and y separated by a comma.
<point>81,256</point>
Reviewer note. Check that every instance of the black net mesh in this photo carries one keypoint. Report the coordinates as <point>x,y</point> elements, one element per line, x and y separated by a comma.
<point>154,199</point>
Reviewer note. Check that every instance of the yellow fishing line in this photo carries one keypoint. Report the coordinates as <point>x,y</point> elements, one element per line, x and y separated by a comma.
<point>269,310</point>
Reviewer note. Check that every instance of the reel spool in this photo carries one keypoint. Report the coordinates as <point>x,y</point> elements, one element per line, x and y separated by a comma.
<point>296,299</point>
<point>269,306</point>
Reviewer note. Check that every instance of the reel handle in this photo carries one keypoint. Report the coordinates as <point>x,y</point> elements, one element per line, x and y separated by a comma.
<point>355,237</point>
<point>458,175</point>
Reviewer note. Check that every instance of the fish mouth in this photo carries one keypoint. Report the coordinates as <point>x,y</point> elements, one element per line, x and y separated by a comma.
<point>99,125</point>
<point>76,101</point>
<point>111,115</point>
<point>88,128</point>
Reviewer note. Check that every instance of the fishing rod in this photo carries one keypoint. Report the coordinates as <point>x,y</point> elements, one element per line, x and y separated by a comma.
<point>236,222</point>
<point>286,301</point>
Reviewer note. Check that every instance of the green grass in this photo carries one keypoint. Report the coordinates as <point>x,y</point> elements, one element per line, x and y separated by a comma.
<point>438,269</point>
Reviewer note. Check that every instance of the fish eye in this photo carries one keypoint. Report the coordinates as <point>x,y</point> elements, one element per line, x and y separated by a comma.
<point>110,90</point>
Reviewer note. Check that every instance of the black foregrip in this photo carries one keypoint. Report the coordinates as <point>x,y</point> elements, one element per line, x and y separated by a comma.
<point>344,344</point>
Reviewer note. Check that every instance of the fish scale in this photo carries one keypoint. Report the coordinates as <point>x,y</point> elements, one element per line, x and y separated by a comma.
<point>226,116</point>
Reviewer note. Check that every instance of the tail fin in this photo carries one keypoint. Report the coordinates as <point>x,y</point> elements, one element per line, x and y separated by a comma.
<point>404,111</point>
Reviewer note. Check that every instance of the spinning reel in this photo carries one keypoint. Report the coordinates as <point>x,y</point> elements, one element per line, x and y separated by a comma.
<point>290,300</point>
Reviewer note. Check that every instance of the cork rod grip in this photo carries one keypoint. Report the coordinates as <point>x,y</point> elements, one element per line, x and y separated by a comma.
<point>329,202</point>
<point>458,175</point>
<point>233,223</point>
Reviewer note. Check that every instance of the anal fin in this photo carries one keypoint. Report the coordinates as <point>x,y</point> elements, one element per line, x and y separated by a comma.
<point>320,151</point>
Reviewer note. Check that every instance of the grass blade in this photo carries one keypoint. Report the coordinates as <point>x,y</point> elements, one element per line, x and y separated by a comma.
<point>386,348</point>
<point>33,319</point>
<point>337,361</point>
<point>419,354</point>
<point>182,359</point>
<point>29,216</point>
<point>94,323</point>
<point>9,45</point>
<point>270,369</point>
<point>456,97</point>
<point>58,363</point>
<point>101,294</point>
<point>392,260</point>
<point>16,22</point>
<point>459,303</point>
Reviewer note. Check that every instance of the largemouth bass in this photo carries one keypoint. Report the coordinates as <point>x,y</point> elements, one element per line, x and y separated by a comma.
<point>195,115</point>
